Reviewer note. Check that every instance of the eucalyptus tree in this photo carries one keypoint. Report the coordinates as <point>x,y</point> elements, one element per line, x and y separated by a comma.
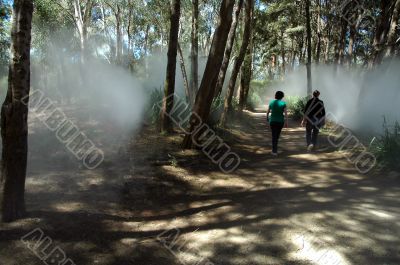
<point>14,114</point>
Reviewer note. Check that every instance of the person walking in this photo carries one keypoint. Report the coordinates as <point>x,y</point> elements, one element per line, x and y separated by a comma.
<point>278,110</point>
<point>313,119</point>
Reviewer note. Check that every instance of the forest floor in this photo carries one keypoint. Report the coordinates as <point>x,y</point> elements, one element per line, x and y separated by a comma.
<point>150,203</point>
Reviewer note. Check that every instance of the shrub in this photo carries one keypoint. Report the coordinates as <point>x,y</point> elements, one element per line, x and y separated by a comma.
<point>153,110</point>
<point>387,147</point>
<point>296,106</point>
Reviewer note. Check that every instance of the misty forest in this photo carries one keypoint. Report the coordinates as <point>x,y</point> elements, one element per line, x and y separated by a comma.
<point>200,132</point>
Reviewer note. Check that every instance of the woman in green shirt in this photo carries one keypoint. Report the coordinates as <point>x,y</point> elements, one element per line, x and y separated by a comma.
<point>278,110</point>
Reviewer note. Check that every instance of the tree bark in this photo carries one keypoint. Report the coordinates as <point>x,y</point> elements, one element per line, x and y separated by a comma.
<point>119,35</point>
<point>319,34</point>
<point>382,29</point>
<point>342,41</point>
<point>228,50</point>
<point>392,36</point>
<point>169,89</point>
<point>14,113</point>
<point>352,40</point>
<point>238,63</point>
<point>194,53</point>
<point>188,94</point>
<point>206,91</point>
<point>309,48</point>
<point>283,54</point>
<point>247,70</point>
<point>82,20</point>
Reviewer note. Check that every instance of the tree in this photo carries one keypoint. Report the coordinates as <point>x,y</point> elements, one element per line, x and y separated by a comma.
<point>228,49</point>
<point>14,113</point>
<point>247,70</point>
<point>309,48</point>
<point>169,89</point>
<point>194,52</point>
<point>392,36</point>
<point>82,16</point>
<point>238,63</point>
<point>381,32</point>
<point>206,91</point>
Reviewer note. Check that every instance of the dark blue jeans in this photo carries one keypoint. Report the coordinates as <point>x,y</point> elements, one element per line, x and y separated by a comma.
<point>276,129</point>
<point>312,132</point>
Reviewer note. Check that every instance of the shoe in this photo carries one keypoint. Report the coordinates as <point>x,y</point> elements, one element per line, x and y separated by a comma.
<point>274,154</point>
<point>310,148</point>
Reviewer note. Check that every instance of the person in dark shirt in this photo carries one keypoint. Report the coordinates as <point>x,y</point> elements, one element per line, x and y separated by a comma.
<point>313,119</point>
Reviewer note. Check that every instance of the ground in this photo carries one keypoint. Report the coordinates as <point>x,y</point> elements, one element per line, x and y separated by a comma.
<point>151,203</point>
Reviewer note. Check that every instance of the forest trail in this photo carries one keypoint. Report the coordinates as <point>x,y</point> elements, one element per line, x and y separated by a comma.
<point>297,208</point>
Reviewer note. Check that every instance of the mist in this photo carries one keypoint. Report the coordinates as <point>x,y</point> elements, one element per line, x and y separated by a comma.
<point>359,100</point>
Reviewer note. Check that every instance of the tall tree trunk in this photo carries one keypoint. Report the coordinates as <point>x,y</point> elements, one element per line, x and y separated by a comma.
<point>382,29</point>
<point>206,91</point>
<point>352,40</point>
<point>14,113</point>
<point>194,53</point>
<point>342,42</point>
<point>283,53</point>
<point>145,50</point>
<point>245,78</point>
<point>169,89</point>
<point>392,36</point>
<point>319,34</point>
<point>309,48</point>
<point>247,69</point>
<point>228,50</point>
<point>82,20</point>
<point>238,63</point>
<point>119,34</point>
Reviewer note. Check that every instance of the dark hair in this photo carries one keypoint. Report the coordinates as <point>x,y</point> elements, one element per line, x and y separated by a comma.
<point>316,93</point>
<point>279,95</point>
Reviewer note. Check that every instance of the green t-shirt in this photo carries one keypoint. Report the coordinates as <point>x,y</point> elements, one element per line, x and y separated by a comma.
<point>277,108</point>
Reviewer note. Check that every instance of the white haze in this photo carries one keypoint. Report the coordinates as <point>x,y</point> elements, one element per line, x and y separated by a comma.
<point>360,101</point>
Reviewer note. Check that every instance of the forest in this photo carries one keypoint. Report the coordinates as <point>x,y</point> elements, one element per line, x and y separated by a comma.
<point>200,132</point>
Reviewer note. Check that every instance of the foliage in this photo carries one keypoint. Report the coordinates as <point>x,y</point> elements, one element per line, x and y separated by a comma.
<point>296,106</point>
<point>387,147</point>
<point>153,107</point>
<point>5,14</point>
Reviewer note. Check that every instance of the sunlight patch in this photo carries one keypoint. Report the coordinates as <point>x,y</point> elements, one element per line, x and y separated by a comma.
<point>68,206</point>
<point>316,252</point>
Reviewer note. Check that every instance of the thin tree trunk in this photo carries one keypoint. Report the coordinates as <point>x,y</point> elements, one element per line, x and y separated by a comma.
<point>283,53</point>
<point>169,89</point>
<point>319,34</point>
<point>119,35</point>
<point>145,48</point>
<point>188,94</point>
<point>238,63</point>
<point>309,48</point>
<point>228,50</point>
<point>206,91</point>
<point>194,53</point>
<point>14,113</point>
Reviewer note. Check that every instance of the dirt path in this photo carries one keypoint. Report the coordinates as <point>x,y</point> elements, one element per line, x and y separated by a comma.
<point>176,207</point>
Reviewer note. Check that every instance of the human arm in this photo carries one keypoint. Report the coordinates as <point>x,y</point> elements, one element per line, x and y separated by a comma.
<point>268,112</point>
<point>286,118</point>
<point>306,109</point>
